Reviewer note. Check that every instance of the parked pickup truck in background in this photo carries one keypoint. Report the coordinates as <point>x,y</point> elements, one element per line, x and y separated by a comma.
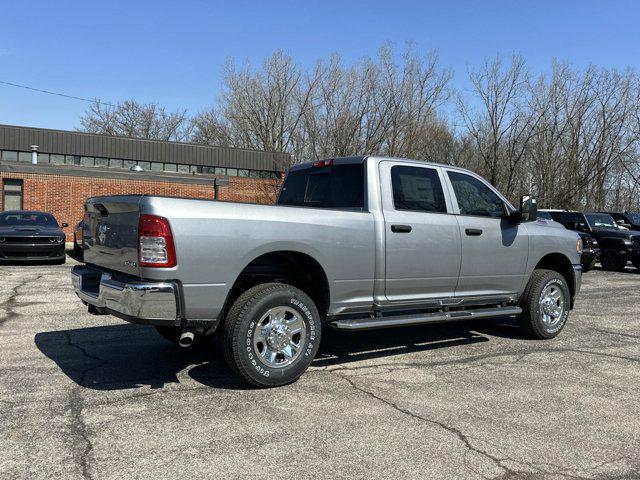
<point>617,245</point>
<point>357,243</point>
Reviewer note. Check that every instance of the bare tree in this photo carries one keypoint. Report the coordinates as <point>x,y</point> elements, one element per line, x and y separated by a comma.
<point>133,119</point>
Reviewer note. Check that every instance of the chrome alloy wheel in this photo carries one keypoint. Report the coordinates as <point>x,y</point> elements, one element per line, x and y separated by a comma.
<point>551,305</point>
<point>279,337</point>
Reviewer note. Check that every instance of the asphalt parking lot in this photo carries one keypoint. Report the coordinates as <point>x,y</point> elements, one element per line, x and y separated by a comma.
<point>94,397</point>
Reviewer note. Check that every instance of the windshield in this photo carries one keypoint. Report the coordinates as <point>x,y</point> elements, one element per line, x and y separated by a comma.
<point>12,219</point>
<point>601,220</point>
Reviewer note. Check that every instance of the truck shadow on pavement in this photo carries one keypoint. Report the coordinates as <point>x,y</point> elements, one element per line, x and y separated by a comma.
<point>126,356</point>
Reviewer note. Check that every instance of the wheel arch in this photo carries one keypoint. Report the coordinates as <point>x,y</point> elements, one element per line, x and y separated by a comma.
<point>560,263</point>
<point>284,266</point>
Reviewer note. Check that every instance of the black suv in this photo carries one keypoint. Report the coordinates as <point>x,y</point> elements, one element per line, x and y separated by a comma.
<point>627,219</point>
<point>590,250</point>
<point>617,246</point>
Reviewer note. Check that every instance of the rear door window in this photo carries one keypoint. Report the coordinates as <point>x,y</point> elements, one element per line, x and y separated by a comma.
<point>417,189</point>
<point>335,186</point>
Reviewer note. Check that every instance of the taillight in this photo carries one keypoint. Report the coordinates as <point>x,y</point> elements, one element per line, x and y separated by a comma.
<point>155,242</point>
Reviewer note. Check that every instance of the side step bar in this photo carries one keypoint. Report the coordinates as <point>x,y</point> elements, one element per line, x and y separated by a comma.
<point>421,319</point>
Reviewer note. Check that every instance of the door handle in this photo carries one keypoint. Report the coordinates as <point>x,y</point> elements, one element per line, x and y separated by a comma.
<point>473,231</point>
<point>401,228</point>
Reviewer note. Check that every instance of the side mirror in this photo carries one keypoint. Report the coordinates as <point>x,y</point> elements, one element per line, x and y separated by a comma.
<point>528,208</point>
<point>65,224</point>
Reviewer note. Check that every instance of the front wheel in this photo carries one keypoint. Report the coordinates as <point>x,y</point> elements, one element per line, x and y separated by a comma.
<point>271,334</point>
<point>545,304</point>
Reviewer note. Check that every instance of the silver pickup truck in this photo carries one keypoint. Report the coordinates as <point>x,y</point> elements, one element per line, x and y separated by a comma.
<point>355,243</point>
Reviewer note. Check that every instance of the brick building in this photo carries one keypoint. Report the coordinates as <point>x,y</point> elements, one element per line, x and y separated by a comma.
<point>55,171</point>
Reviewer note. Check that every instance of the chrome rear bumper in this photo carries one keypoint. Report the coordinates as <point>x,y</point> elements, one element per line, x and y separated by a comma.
<point>138,301</point>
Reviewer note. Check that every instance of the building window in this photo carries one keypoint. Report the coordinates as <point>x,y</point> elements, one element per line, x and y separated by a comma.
<point>115,163</point>
<point>183,168</point>
<point>232,172</point>
<point>102,162</point>
<point>9,156</point>
<point>87,161</point>
<point>128,164</point>
<point>57,159</point>
<point>24,157</point>
<point>72,159</point>
<point>195,169</point>
<point>243,173</point>
<point>254,174</point>
<point>170,167</point>
<point>145,165</point>
<point>12,194</point>
<point>157,166</point>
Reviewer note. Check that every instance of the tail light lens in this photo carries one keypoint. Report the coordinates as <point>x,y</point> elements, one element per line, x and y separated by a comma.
<point>155,242</point>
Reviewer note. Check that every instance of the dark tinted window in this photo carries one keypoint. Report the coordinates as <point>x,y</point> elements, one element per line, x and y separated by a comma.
<point>416,188</point>
<point>545,215</point>
<point>337,186</point>
<point>634,218</point>
<point>27,219</point>
<point>573,221</point>
<point>474,197</point>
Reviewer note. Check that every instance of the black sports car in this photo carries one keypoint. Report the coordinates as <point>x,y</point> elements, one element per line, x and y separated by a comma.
<point>29,236</point>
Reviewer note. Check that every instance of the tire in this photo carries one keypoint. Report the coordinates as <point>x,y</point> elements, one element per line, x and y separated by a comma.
<point>257,355</point>
<point>589,266</point>
<point>613,260</point>
<point>78,252</point>
<point>170,333</point>
<point>534,318</point>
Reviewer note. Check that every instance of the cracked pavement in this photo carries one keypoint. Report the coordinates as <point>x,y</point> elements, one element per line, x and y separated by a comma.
<point>93,397</point>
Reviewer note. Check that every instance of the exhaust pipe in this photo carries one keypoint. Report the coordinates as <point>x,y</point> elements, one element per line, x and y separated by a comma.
<point>186,337</point>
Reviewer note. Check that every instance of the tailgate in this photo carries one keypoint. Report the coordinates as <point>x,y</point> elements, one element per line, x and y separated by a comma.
<point>111,233</point>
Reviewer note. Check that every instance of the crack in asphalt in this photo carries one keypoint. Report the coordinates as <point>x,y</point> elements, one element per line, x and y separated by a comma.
<point>474,359</point>
<point>622,334</point>
<point>81,439</point>
<point>456,432</point>
<point>507,472</point>
<point>10,303</point>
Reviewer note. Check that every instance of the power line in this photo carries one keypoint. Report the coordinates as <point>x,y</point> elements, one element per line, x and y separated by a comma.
<point>73,97</point>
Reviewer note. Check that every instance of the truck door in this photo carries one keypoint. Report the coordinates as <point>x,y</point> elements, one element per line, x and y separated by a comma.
<point>422,241</point>
<point>494,250</point>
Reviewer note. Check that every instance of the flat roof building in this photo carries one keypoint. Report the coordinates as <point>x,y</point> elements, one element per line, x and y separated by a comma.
<point>56,170</point>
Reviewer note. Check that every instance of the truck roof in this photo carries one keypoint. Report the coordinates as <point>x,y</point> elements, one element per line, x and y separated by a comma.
<point>375,158</point>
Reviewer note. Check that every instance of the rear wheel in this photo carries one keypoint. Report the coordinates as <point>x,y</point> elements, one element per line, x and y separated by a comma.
<point>545,304</point>
<point>613,260</point>
<point>271,334</point>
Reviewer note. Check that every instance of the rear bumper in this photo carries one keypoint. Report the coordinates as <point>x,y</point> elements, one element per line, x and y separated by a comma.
<point>138,301</point>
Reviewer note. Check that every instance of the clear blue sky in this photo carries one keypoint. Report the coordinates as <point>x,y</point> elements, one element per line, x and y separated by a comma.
<point>172,51</point>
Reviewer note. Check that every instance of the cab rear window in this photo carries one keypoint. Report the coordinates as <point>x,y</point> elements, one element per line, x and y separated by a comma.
<point>335,186</point>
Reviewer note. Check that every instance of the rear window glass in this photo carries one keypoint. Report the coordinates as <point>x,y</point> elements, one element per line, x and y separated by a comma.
<point>337,186</point>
